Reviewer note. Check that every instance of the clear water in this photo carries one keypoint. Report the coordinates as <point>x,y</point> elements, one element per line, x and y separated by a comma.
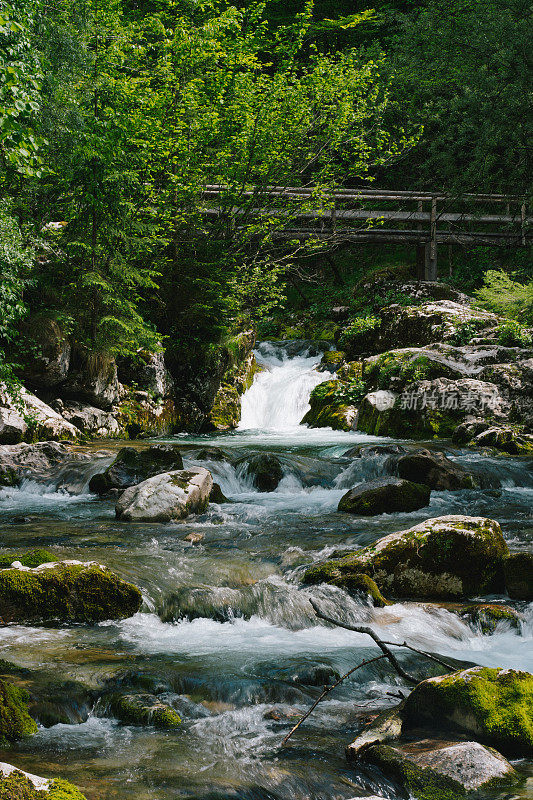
<point>227,631</point>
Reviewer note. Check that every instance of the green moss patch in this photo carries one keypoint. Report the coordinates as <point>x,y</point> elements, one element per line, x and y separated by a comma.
<point>143,710</point>
<point>15,721</point>
<point>18,787</point>
<point>32,558</point>
<point>66,592</point>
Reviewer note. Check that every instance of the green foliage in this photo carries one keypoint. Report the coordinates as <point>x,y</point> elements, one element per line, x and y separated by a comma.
<point>505,296</point>
<point>351,392</point>
<point>463,334</point>
<point>357,327</point>
<point>512,334</point>
<point>17,787</point>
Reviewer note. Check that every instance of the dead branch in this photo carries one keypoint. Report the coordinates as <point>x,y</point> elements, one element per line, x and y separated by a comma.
<point>326,691</point>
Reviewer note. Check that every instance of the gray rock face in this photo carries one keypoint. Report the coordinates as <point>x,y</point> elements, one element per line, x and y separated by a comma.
<point>131,466</point>
<point>148,372</point>
<point>384,496</point>
<point>93,377</point>
<point>169,496</point>
<point>49,364</point>
<point>433,470</point>
<point>466,767</point>
<point>91,420</point>
<point>30,460</point>
<point>27,416</point>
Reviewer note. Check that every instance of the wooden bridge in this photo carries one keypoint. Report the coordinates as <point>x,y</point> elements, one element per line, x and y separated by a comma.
<point>425,219</point>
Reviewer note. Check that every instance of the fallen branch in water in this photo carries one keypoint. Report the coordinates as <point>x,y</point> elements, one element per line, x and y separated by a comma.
<point>326,691</point>
<point>388,654</point>
<point>380,642</point>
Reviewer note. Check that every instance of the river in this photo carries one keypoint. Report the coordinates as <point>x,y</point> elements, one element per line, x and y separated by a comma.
<point>226,633</point>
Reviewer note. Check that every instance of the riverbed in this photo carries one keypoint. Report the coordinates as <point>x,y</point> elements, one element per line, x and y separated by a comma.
<point>226,633</point>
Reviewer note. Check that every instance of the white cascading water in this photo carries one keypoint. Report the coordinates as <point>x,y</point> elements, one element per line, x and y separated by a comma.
<point>279,396</point>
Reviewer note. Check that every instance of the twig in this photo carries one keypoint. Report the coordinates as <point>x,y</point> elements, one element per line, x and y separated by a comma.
<point>423,653</point>
<point>380,643</point>
<point>326,691</point>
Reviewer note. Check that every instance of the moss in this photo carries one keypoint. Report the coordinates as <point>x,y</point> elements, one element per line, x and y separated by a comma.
<point>226,411</point>
<point>18,787</point>
<point>360,584</point>
<point>495,704</point>
<point>152,417</point>
<point>15,721</point>
<point>32,558</point>
<point>67,592</point>
<point>327,410</point>
<point>144,710</point>
<point>488,615</point>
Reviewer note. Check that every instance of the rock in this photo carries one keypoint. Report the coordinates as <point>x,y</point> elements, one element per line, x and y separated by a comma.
<point>91,420</point>
<point>487,616</point>
<point>431,408</point>
<point>169,496</point>
<point>15,721</point>
<point>142,709</point>
<point>331,361</point>
<point>362,587</point>
<point>25,417</point>
<point>340,313</point>
<point>514,379</point>
<point>212,454</point>
<point>505,439</point>
<point>194,537</point>
<point>92,377</point>
<point>68,591</point>
<point>434,769</point>
<point>216,495</point>
<point>384,496</point>
<point>132,466</point>
<point>328,411</point>
<point>37,461</point>
<point>518,572</point>
<point>385,727</point>
<point>226,411</point>
<point>434,470</point>
<point>441,558</point>
<point>494,705</point>
<point>48,359</point>
<point>18,785</point>
<point>142,415</point>
<point>266,472</point>
<point>146,371</point>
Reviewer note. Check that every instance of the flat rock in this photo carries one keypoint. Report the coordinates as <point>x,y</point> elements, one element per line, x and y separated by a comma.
<point>169,496</point>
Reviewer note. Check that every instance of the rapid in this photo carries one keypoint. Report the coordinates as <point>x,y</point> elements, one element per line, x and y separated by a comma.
<point>226,633</point>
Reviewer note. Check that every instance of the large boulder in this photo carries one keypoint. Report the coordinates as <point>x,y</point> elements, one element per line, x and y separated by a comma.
<point>91,420</point>
<point>443,558</point>
<point>494,705</point>
<point>266,472</point>
<point>514,379</point>
<point>433,470</point>
<point>518,571</point>
<point>65,591</point>
<point>36,461</point>
<point>148,372</point>
<point>132,466</point>
<point>15,784</point>
<point>93,378</point>
<point>329,409</point>
<point>169,496</point>
<point>23,417</point>
<point>430,769</point>
<point>47,361</point>
<point>429,409</point>
<point>384,496</point>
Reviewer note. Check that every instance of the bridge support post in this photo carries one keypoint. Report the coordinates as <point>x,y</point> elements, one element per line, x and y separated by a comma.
<point>431,247</point>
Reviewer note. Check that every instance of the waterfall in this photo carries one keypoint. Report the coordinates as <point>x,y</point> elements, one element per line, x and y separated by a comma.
<point>279,395</point>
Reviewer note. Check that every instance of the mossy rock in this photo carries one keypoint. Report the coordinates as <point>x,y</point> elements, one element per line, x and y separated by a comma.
<point>384,496</point>
<point>487,616</point>
<point>442,558</point>
<point>494,705</point>
<point>396,369</point>
<point>265,471</point>
<point>15,721</point>
<point>434,470</point>
<point>518,571</point>
<point>332,360</point>
<point>361,586</point>
<point>226,411</point>
<point>143,709</point>
<point>68,592</point>
<point>436,770</point>
<point>19,785</point>
<point>327,411</point>
<point>132,466</point>
<point>32,558</point>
